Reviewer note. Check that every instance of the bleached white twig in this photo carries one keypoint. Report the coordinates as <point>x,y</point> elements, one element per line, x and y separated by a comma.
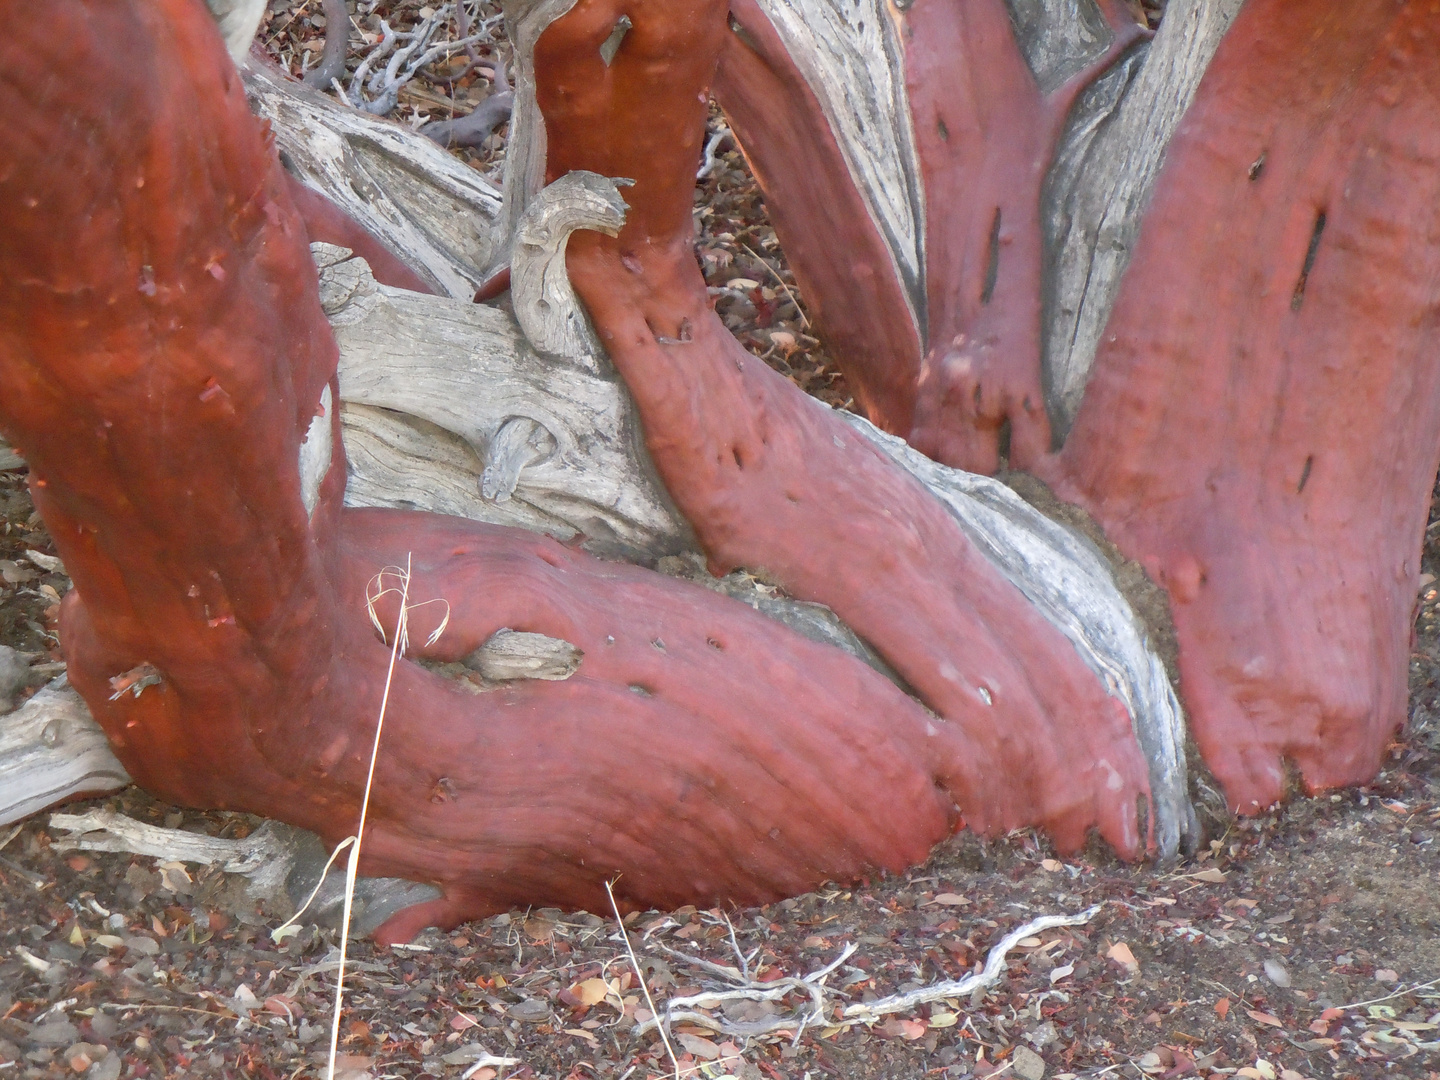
<point>985,978</point>
<point>640,975</point>
<point>405,53</point>
<point>744,988</point>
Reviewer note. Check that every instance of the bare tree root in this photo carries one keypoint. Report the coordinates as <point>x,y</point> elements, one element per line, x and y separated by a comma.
<point>474,128</point>
<point>337,46</point>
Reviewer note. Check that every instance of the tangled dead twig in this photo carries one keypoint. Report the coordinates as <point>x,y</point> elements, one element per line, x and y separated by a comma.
<point>404,54</point>
<point>480,124</point>
<point>739,985</point>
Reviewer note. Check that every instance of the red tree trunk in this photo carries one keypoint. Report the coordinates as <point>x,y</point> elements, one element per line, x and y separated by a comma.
<point>769,478</point>
<point>163,354</point>
<point>1262,427</point>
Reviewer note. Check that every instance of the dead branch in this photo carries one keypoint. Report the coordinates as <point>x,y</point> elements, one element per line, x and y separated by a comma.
<point>337,45</point>
<point>738,985</point>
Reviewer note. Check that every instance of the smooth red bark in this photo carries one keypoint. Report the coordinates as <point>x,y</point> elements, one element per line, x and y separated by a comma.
<point>771,479</point>
<point>162,354</point>
<point>1261,430</point>
<point>841,262</point>
<point>986,134</point>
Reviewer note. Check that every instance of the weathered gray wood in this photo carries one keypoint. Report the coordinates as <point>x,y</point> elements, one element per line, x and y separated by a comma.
<point>433,211</point>
<point>282,865</point>
<point>1059,38</point>
<point>540,292</point>
<point>1098,189</point>
<point>518,654</point>
<point>238,20</point>
<point>525,21</point>
<point>468,369</point>
<point>51,751</point>
<point>850,55</point>
<point>1070,584</point>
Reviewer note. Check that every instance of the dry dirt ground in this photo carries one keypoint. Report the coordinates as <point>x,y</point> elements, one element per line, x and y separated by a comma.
<point>1303,944</point>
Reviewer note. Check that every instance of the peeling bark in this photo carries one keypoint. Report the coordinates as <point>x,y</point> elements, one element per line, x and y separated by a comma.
<point>431,212</point>
<point>987,125</point>
<point>1099,187</point>
<point>868,305</point>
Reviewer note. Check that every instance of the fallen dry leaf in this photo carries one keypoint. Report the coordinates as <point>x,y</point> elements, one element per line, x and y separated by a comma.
<point>1265,1018</point>
<point>591,991</point>
<point>1121,954</point>
<point>701,1047</point>
<point>1222,1008</point>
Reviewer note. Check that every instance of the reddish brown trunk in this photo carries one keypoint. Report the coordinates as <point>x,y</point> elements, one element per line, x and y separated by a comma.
<point>840,260</point>
<point>162,353</point>
<point>769,478</point>
<point>986,133</point>
<point>1261,430</point>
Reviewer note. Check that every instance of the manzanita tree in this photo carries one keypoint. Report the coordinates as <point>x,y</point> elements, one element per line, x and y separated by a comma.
<point>1196,297</point>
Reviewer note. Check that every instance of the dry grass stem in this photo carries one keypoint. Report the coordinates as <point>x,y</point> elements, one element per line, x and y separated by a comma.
<point>401,636</point>
<point>640,976</point>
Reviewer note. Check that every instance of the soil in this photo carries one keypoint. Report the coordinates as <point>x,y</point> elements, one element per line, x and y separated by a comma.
<point>1301,944</point>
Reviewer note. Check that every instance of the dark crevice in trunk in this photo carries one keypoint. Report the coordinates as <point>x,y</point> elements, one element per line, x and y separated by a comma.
<point>992,266</point>
<point>1299,297</point>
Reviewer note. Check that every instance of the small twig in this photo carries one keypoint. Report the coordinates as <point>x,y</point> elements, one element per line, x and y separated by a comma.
<point>685,1009</point>
<point>987,977</point>
<point>462,27</point>
<point>640,974</point>
<point>744,964</point>
<point>804,320</point>
<point>1396,994</point>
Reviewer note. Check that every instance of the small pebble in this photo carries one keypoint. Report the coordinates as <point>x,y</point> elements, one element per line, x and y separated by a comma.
<point>1276,973</point>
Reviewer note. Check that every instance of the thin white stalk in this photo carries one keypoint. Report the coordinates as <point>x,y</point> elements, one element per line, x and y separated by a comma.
<point>640,975</point>
<point>353,862</point>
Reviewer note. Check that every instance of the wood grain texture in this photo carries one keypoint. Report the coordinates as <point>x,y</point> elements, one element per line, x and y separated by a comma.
<point>467,369</point>
<point>51,752</point>
<point>1099,187</point>
<point>438,215</point>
